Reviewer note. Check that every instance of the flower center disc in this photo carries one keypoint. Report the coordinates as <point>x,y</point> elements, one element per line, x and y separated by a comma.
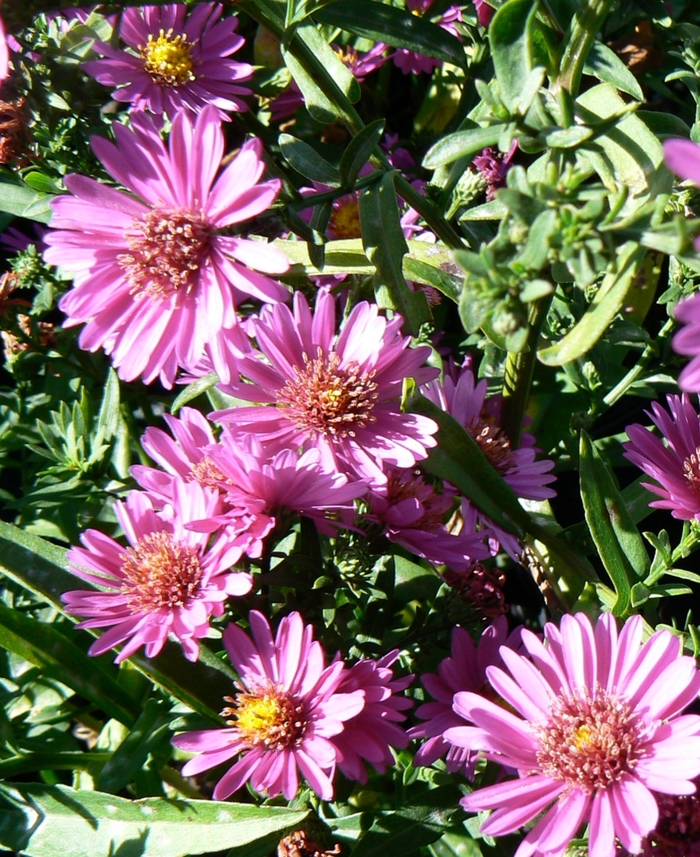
<point>493,442</point>
<point>268,716</point>
<point>168,59</point>
<point>324,398</point>
<point>167,248</point>
<point>160,572</point>
<point>345,219</point>
<point>590,741</point>
<point>691,471</point>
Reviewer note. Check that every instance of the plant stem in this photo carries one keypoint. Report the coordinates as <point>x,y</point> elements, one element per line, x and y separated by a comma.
<point>651,350</point>
<point>581,37</point>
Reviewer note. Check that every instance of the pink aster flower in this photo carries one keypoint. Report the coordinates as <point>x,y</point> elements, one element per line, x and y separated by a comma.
<point>593,727</point>
<point>155,281</point>
<point>464,670</point>
<point>4,53</point>
<point>687,342</point>
<point>528,476</point>
<point>339,393</point>
<point>178,59</point>
<point>675,464</point>
<point>413,515</point>
<point>287,708</point>
<point>411,62</point>
<point>168,581</point>
<point>369,735</point>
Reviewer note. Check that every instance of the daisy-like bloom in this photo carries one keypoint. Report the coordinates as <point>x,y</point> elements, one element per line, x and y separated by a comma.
<point>527,475</point>
<point>340,394</point>
<point>370,734</point>
<point>168,581</point>
<point>413,515</point>
<point>593,726</point>
<point>288,705</point>
<point>411,62</point>
<point>464,670</point>
<point>178,59</point>
<point>674,465</point>
<point>154,280</point>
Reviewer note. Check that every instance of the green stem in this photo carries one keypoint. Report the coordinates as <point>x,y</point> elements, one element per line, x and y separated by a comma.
<point>581,37</point>
<point>651,350</point>
<point>519,369</point>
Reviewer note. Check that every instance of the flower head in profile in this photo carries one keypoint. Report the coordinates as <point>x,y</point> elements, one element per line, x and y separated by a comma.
<point>465,669</point>
<point>154,280</point>
<point>169,580</point>
<point>176,59</point>
<point>338,393</point>
<point>593,725</point>
<point>674,465</point>
<point>287,707</point>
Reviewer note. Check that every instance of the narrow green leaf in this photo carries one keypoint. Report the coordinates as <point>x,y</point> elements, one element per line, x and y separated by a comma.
<point>358,151</point>
<point>606,65</point>
<point>61,659</point>
<point>395,27</point>
<point>28,763</point>
<point>50,821</point>
<point>616,537</point>
<point>23,201</point>
<point>307,162</point>
<point>196,388</point>
<point>385,247</point>
<point>461,144</point>
<point>109,415</point>
<point>510,37</point>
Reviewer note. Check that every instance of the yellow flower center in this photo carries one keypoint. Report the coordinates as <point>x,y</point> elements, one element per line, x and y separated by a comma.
<point>267,715</point>
<point>168,59</point>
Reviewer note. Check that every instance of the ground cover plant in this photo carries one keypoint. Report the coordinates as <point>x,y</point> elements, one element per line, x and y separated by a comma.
<point>349,430</point>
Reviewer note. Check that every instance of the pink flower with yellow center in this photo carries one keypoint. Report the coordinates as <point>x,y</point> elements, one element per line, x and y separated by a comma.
<point>339,393</point>
<point>594,727</point>
<point>177,59</point>
<point>156,278</point>
<point>287,708</point>
<point>167,581</point>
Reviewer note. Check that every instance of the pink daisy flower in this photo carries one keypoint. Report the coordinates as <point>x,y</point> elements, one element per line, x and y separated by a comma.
<point>369,735</point>
<point>464,670</point>
<point>674,465</point>
<point>413,515</point>
<point>593,728</point>
<point>177,59</point>
<point>340,394</point>
<point>168,581</point>
<point>287,708</point>
<point>154,280</point>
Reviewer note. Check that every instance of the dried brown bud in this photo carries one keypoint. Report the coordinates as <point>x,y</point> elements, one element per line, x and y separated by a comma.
<point>298,844</point>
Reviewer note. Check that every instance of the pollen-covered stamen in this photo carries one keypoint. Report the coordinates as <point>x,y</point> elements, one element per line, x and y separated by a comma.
<point>590,741</point>
<point>168,59</point>
<point>408,485</point>
<point>167,247</point>
<point>158,572</point>
<point>268,715</point>
<point>208,473</point>
<point>325,398</point>
<point>691,471</point>
<point>493,442</point>
<point>345,219</point>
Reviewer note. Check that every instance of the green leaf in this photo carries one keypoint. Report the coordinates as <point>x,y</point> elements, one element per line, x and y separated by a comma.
<point>385,247</point>
<point>109,415</point>
<point>462,144</point>
<point>22,201</point>
<point>196,388</point>
<point>611,297</point>
<point>395,27</point>
<point>358,151</point>
<point>307,161</point>
<point>317,101</point>
<point>606,65</point>
<point>616,537</point>
<point>413,581</point>
<point>50,821</point>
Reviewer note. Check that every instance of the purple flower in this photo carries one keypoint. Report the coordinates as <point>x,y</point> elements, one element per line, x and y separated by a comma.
<point>484,12</point>
<point>339,393</point>
<point>675,465</point>
<point>154,280</point>
<point>493,166</point>
<point>464,670</point>
<point>593,727</point>
<point>677,832</point>
<point>369,735</point>
<point>168,581</point>
<point>287,708</point>
<point>178,60</point>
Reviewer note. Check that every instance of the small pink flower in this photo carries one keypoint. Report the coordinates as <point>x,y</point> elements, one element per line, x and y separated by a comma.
<point>674,465</point>
<point>465,669</point>
<point>338,393</point>
<point>594,727</point>
<point>178,59</point>
<point>155,280</point>
<point>369,735</point>
<point>287,709</point>
<point>168,581</point>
